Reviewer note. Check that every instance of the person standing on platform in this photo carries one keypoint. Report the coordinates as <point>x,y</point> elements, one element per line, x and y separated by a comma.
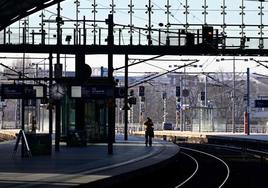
<point>149,131</point>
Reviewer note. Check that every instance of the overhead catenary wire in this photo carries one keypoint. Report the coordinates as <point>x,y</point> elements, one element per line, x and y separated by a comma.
<point>139,62</point>
<point>179,67</point>
<point>20,74</point>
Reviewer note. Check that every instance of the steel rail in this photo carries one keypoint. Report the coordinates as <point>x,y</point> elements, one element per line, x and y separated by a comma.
<point>249,151</point>
<point>215,157</point>
<point>196,169</point>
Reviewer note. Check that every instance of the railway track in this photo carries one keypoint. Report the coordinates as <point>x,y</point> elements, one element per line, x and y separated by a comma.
<point>210,171</point>
<point>204,165</point>
<point>247,167</point>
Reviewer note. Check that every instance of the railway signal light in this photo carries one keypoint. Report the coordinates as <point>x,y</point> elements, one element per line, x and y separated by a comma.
<point>202,95</point>
<point>164,95</point>
<point>178,91</point>
<point>141,91</point>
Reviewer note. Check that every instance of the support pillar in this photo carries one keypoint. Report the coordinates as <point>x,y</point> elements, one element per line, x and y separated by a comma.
<point>50,110</point>
<point>248,102</point>
<point>126,108</point>
<point>79,103</point>
<point>111,108</point>
<point>57,126</point>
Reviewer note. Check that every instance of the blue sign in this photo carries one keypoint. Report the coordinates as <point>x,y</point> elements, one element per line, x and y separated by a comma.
<point>92,91</point>
<point>261,103</point>
<point>22,91</point>
<point>98,91</point>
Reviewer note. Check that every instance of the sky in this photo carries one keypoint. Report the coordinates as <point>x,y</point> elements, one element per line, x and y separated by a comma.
<point>177,16</point>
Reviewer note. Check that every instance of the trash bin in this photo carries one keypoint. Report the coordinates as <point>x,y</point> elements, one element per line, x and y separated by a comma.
<point>39,143</point>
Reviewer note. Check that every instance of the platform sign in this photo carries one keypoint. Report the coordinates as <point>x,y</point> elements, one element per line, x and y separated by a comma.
<point>92,91</point>
<point>261,103</point>
<point>11,91</point>
<point>97,91</point>
<point>25,91</point>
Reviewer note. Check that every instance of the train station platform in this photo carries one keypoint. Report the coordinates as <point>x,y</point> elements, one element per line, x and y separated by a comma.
<point>91,166</point>
<point>203,136</point>
<point>258,141</point>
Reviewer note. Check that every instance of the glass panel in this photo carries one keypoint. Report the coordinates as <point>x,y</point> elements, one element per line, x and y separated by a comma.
<point>95,120</point>
<point>67,116</point>
<point>72,116</point>
<point>103,120</point>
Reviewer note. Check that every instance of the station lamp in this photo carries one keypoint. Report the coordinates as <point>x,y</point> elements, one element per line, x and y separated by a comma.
<point>207,34</point>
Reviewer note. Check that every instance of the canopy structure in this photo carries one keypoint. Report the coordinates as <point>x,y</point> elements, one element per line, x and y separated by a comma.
<point>14,10</point>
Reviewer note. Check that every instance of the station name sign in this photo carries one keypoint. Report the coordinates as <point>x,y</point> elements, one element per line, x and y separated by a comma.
<point>92,91</point>
<point>96,91</point>
<point>23,91</point>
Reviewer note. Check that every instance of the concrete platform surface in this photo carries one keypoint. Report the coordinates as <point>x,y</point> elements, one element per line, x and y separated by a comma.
<point>74,166</point>
<point>189,134</point>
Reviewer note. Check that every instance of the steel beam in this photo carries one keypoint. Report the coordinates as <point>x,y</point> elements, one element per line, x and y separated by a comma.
<point>131,50</point>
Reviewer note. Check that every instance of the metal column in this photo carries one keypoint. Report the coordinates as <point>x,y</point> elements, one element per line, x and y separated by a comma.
<point>111,108</point>
<point>126,100</point>
<point>248,101</point>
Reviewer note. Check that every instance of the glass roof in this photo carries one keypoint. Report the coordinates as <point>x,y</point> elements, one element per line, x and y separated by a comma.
<point>13,10</point>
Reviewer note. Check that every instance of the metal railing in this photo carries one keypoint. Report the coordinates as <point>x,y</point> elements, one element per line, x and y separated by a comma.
<point>159,37</point>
